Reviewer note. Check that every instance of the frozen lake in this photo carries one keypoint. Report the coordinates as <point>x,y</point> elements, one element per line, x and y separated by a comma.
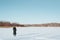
<point>31,33</point>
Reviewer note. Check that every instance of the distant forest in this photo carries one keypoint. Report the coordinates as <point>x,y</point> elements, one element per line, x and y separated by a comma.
<point>8,24</point>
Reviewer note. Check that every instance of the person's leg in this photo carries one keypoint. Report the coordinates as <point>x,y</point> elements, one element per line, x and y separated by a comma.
<point>14,33</point>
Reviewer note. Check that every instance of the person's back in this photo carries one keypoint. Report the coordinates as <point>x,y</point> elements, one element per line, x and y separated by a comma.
<point>14,31</point>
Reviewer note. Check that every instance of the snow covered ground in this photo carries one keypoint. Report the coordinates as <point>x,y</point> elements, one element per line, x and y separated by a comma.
<point>31,33</point>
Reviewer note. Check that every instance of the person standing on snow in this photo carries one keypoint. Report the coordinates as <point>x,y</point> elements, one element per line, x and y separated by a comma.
<point>14,31</point>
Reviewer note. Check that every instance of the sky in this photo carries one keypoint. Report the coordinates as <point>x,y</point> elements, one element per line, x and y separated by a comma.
<point>30,11</point>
